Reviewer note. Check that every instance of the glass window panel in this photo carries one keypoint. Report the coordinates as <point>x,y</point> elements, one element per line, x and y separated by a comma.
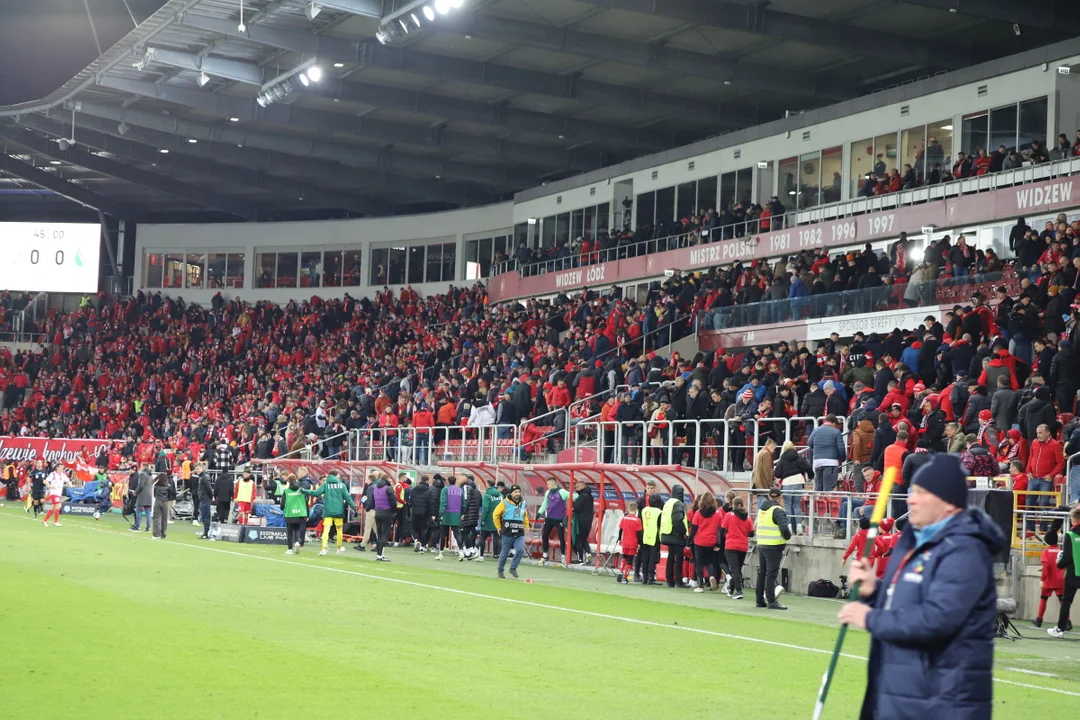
<point>311,268</point>
<point>603,215</point>
<point>706,193</point>
<point>686,200</point>
<point>861,164</point>
<point>484,257</point>
<point>472,251</point>
<point>521,234</point>
<point>939,146</point>
<point>215,271</point>
<point>832,174</point>
<point>449,257</point>
<point>665,206</point>
<point>1033,115</point>
<point>234,271</point>
<point>396,269</point>
<point>913,150</point>
<point>726,199</point>
<point>415,271</point>
<point>434,263</point>
<point>174,271</point>
<point>646,209</point>
<point>1003,127</point>
<point>744,186</point>
<point>562,230</point>
<point>885,154</point>
<point>266,269</point>
<point>352,262</point>
<point>547,232</point>
<point>153,263</point>
<point>380,258</point>
<point>975,132</point>
<point>789,181</point>
<point>577,224</point>
<point>809,180</point>
<point>589,221</point>
<point>196,271</point>
<point>288,269</point>
<point>501,253</point>
<point>331,268</point>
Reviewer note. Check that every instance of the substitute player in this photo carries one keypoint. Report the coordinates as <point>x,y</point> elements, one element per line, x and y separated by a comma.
<point>244,495</point>
<point>54,489</point>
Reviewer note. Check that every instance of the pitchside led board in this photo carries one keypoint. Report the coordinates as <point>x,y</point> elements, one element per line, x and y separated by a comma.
<point>50,257</point>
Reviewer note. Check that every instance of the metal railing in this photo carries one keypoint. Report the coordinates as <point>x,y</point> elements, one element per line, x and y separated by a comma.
<point>724,445</point>
<point>492,444</point>
<point>805,216</point>
<point>849,302</point>
<point>1072,486</point>
<point>333,447</point>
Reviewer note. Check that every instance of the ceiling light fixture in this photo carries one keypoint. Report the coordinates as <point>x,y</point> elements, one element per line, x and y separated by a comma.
<point>192,140</point>
<point>312,11</point>
<point>429,13</point>
<point>456,3</point>
<point>54,162</point>
<point>242,27</point>
<point>304,80</point>
<point>314,73</point>
<point>202,79</point>
<point>339,65</point>
<point>163,151</point>
<point>442,6</point>
<point>416,20</point>
<point>234,119</point>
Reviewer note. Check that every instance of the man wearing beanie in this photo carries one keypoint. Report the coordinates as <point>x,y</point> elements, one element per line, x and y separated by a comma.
<point>932,615</point>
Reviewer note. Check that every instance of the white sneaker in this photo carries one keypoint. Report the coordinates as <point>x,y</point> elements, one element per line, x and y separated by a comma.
<point>289,552</point>
<point>461,556</point>
<point>321,553</point>
<point>737,596</point>
<point>439,556</point>
<point>543,562</point>
<point>195,522</point>
<point>699,589</point>
<point>97,515</point>
<point>341,551</point>
<point>171,522</point>
<point>727,585</point>
<point>1054,632</point>
<point>296,548</point>
<point>56,524</point>
<point>478,558</point>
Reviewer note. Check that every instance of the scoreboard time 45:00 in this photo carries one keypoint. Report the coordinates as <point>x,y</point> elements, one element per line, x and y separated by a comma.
<point>50,257</point>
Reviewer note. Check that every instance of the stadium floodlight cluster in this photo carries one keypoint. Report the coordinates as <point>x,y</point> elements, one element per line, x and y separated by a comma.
<point>284,85</point>
<point>413,17</point>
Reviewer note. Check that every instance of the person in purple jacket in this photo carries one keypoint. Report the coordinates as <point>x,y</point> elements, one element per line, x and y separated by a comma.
<point>554,511</point>
<point>385,512</point>
<point>450,516</point>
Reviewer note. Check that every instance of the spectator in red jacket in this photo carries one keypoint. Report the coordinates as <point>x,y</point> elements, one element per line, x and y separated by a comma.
<point>559,397</point>
<point>982,163</point>
<point>1046,459</point>
<point>738,529</point>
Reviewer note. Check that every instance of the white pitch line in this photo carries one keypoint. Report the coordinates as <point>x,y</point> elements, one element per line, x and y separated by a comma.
<point>544,606</point>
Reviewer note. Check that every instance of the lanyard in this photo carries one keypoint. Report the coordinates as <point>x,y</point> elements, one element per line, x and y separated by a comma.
<point>896,578</point>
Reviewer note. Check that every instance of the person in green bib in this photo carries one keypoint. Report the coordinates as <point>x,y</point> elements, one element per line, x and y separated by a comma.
<point>490,501</point>
<point>294,508</point>
<point>773,530</point>
<point>1069,561</point>
<point>336,496</point>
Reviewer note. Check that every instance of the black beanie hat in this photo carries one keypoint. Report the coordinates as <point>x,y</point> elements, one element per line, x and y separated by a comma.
<point>944,477</point>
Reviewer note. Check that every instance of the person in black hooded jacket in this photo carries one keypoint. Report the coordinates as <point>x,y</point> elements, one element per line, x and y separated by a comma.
<point>673,531</point>
<point>583,521</point>
<point>422,502</point>
<point>1040,411</point>
<point>471,501</point>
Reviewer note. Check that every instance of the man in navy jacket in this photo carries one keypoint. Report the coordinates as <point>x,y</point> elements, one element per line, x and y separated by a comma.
<point>932,616</point>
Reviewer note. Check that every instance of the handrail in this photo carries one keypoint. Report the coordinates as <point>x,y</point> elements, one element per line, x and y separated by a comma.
<point>1069,467</point>
<point>840,209</point>
<point>314,449</point>
<point>845,302</point>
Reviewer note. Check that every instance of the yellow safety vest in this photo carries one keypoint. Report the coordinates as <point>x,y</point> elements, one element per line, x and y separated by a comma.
<point>245,491</point>
<point>665,519</point>
<point>767,531</point>
<point>649,525</point>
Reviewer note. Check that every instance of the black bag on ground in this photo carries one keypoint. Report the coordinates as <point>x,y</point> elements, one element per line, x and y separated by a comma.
<point>823,588</point>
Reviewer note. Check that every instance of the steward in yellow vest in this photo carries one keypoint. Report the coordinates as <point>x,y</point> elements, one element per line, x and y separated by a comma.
<point>773,530</point>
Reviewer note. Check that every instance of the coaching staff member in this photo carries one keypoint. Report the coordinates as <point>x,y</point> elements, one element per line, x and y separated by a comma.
<point>932,616</point>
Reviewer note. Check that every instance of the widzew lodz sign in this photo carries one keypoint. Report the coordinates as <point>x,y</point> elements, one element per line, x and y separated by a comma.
<point>49,449</point>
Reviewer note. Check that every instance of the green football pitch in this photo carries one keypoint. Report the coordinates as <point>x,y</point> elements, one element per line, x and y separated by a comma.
<point>100,622</point>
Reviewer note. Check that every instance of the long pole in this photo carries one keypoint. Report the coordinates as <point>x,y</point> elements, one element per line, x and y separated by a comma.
<point>880,508</point>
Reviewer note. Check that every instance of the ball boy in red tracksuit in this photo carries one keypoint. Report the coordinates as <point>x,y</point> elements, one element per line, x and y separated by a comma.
<point>1053,577</point>
<point>857,546</point>
<point>629,540</point>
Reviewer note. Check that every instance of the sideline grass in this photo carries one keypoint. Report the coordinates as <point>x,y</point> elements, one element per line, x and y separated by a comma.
<point>98,621</point>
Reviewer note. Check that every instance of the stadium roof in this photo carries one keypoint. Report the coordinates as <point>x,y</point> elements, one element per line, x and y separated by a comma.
<point>491,98</point>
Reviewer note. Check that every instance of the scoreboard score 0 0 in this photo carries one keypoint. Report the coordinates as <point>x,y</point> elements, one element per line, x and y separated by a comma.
<point>50,257</point>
